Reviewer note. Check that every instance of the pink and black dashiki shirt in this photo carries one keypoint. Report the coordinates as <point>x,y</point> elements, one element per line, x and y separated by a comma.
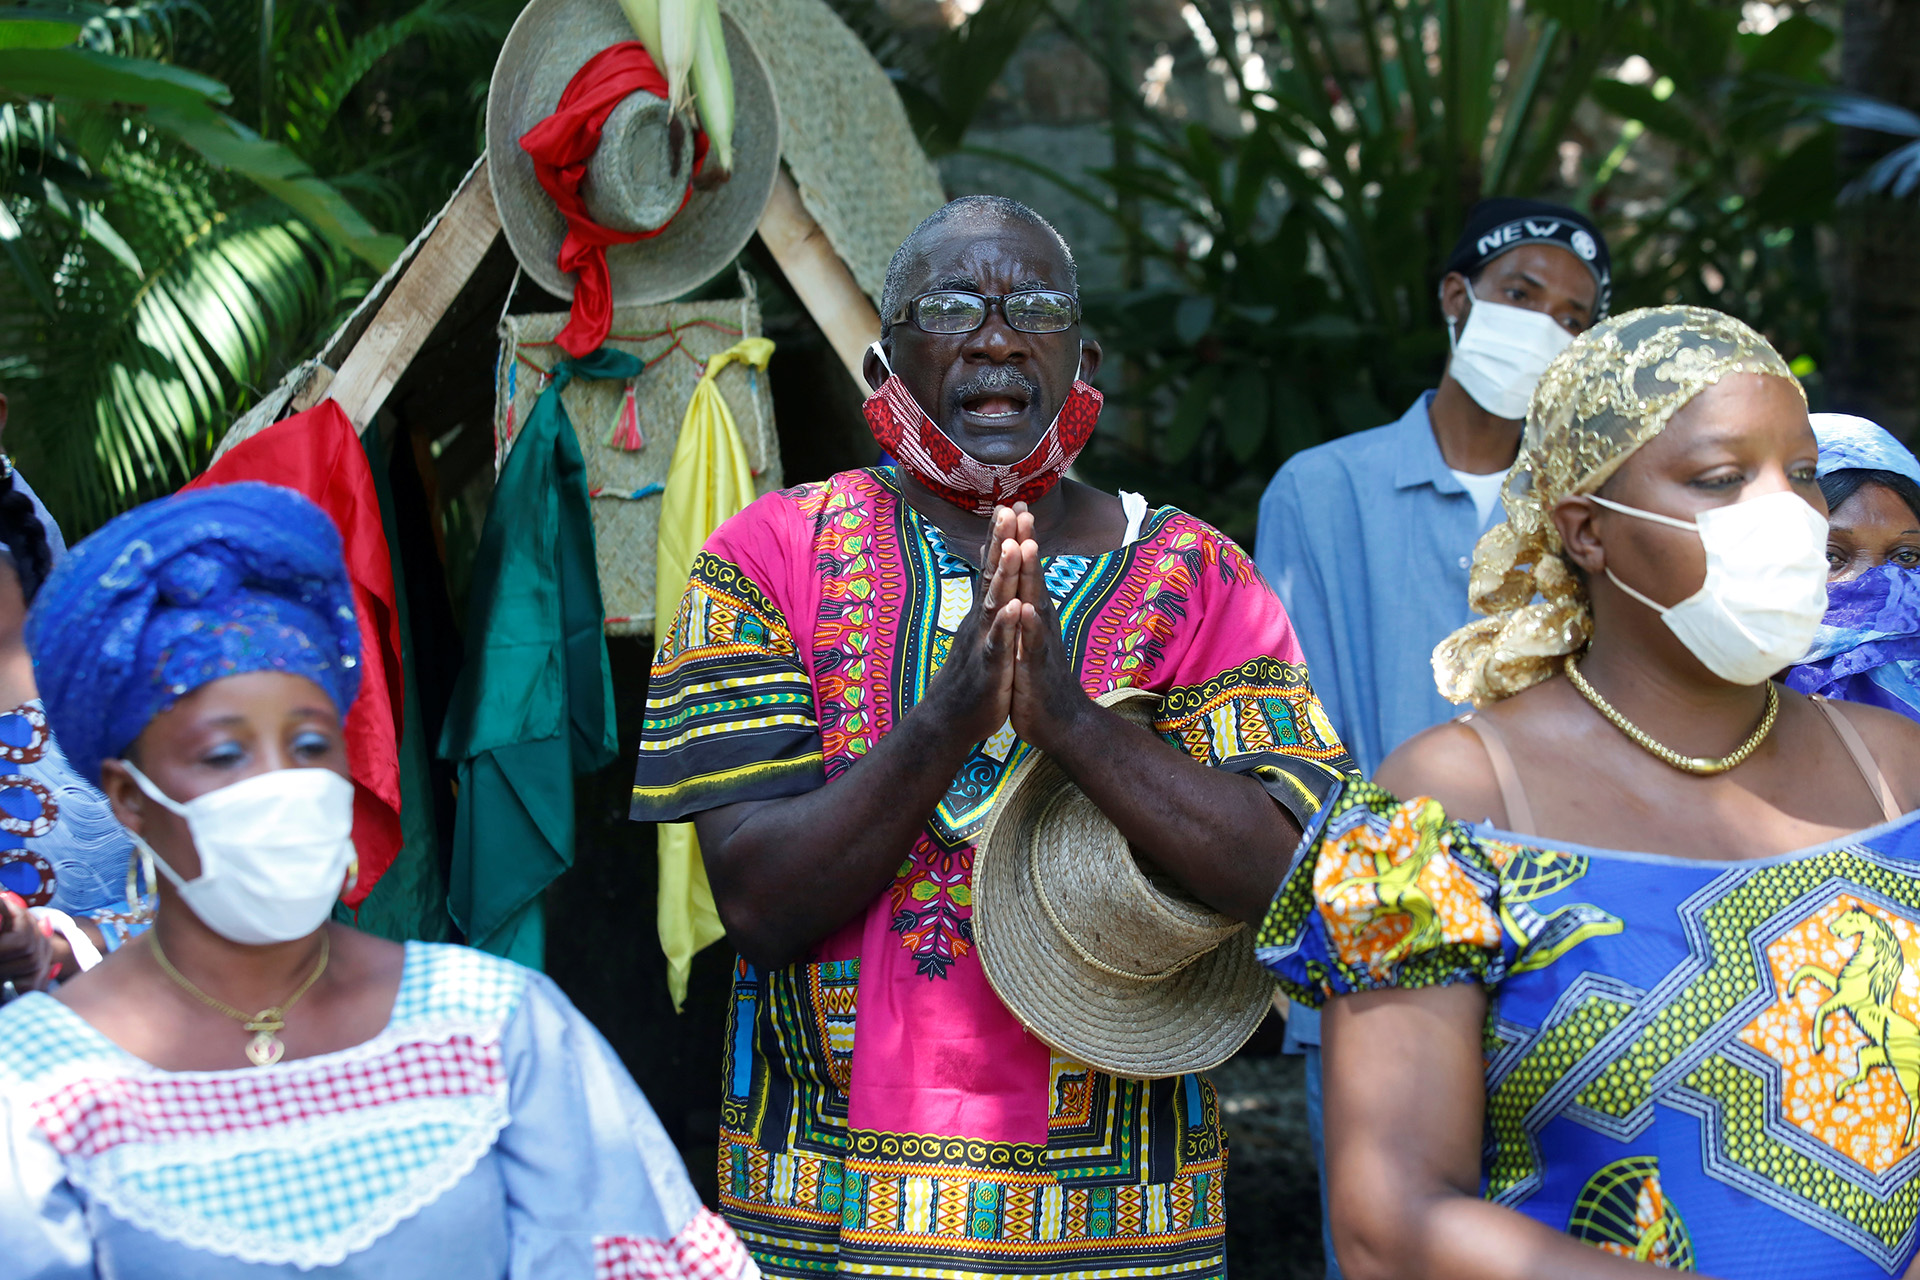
<point>883,1111</point>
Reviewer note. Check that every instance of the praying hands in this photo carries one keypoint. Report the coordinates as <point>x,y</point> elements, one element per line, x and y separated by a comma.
<point>1026,673</point>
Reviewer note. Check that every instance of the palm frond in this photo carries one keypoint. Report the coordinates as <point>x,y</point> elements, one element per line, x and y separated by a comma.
<point>124,390</point>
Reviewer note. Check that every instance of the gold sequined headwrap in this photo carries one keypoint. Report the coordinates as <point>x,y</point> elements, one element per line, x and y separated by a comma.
<point>1613,389</point>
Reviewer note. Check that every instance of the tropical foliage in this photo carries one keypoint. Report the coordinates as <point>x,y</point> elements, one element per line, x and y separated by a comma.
<point>1297,301</point>
<point>1286,198</point>
<point>170,242</point>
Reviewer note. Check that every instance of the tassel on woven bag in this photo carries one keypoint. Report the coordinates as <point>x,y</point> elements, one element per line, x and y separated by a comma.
<point>626,426</point>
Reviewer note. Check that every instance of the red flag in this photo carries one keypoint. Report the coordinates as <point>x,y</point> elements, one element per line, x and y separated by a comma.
<point>319,454</point>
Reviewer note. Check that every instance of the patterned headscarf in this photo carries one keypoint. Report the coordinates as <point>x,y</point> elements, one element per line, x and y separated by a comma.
<point>179,593</point>
<point>1614,388</point>
<point>1849,443</point>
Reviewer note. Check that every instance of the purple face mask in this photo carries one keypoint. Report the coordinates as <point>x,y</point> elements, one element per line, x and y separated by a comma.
<point>1868,646</point>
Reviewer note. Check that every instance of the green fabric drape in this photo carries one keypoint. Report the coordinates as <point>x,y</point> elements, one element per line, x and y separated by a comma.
<point>410,901</point>
<point>534,703</point>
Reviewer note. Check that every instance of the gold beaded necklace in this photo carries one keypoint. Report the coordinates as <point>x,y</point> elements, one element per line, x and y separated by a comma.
<point>1705,766</point>
<point>265,1048</point>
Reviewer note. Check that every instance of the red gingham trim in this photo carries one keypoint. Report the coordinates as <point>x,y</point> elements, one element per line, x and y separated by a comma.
<point>91,1116</point>
<point>705,1249</point>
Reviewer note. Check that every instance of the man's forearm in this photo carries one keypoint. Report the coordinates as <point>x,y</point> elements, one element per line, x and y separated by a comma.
<point>786,873</point>
<point>1219,834</point>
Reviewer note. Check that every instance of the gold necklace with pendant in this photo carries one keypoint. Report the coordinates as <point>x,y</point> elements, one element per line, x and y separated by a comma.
<point>265,1048</point>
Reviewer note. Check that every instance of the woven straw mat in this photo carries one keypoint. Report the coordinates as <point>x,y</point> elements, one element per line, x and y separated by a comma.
<point>675,339</point>
<point>843,133</point>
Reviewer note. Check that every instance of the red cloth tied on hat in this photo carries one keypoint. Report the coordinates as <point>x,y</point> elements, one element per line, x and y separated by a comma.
<point>560,146</point>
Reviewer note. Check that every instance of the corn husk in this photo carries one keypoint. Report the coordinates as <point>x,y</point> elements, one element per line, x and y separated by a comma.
<point>644,16</point>
<point>679,36</point>
<point>713,86</point>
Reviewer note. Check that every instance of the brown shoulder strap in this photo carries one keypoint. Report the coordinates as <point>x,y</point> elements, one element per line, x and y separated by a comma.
<point>1862,758</point>
<point>1512,794</point>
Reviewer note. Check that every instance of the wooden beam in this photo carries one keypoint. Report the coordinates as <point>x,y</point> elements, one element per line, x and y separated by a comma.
<point>826,288</point>
<point>419,298</point>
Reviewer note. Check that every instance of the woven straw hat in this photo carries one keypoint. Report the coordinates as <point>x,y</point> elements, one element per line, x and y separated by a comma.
<point>635,181</point>
<point>1099,955</point>
<point>844,134</point>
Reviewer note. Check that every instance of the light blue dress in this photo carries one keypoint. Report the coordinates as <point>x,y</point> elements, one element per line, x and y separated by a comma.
<point>488,1131</point>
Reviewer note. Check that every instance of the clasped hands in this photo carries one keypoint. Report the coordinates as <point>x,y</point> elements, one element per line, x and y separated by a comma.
<point>1008,662</point>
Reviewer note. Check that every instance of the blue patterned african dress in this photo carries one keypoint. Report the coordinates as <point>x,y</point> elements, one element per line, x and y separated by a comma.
<point>60,845</point>
<point>1707,1065</point>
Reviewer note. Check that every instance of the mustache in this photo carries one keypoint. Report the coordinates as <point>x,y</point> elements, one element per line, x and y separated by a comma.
<point>995,379</point>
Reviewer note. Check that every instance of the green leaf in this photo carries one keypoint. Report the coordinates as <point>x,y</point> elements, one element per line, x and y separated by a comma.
<point>1192,318</point>
<point>1804,184</point>
<point>31,276</point>
<point>1191,413</point>
<point>1244,409</point>
<point>1638,102</point>
<point>1296,425</point>
<point>284,175</point>
<point>35,33</point>
<point>1327,327</point>
<point>1793,48</point>
<point>87,75</point>
<point>968,61</point>
<point>90,223</point>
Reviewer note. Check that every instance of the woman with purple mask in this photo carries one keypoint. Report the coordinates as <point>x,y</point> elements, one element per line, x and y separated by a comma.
<point>1868,646</point>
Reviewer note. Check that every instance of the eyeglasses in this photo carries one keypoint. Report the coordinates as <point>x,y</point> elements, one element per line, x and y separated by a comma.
<point>951,311</point>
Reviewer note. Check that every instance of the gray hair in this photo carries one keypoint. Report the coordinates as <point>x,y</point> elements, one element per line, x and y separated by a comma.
<point>981,208</point>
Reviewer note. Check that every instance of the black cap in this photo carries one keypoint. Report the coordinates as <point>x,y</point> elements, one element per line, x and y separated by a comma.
<point>1507,222</point>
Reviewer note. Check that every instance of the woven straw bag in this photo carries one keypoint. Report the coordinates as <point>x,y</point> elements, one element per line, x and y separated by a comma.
<point>675,339</point>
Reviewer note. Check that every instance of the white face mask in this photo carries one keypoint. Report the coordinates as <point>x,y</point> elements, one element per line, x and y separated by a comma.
<point>1765,590</point>
<point>1500,353</point>
<point>273,849</point>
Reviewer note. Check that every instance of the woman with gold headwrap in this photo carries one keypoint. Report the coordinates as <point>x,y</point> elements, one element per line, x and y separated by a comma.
<point>1633,977</point>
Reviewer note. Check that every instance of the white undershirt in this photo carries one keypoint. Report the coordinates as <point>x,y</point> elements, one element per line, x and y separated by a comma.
<point>1483,489</point>
<point>1135,508</point>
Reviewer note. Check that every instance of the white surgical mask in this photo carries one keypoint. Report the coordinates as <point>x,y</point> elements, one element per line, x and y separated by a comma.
<point>274,850</point>
<point>1765,590</point>
<point>1500,353</point>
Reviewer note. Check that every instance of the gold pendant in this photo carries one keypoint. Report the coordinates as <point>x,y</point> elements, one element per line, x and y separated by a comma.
<point>264,1049</point>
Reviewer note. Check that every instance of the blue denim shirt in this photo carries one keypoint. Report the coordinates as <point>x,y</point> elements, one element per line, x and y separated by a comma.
<point>1368,540</point>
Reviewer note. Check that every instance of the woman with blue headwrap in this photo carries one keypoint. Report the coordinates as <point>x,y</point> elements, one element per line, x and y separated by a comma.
<point>1868,646</point>
<point>251,1090</point>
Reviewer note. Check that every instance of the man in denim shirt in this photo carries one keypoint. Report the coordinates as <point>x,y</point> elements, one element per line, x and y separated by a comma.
<point>1368,539</point>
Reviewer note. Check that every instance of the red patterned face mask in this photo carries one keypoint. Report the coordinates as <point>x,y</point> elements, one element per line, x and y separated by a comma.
<point>904,430</point>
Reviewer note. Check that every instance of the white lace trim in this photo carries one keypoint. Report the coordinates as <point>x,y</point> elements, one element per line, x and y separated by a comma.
<point>481,1117</point>
<point>474,1118</point>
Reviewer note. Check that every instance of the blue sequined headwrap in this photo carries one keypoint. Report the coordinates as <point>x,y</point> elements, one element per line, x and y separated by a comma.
<point>184,591</point>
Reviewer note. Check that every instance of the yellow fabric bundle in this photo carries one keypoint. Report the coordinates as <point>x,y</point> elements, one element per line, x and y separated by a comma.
<point>708,482</point>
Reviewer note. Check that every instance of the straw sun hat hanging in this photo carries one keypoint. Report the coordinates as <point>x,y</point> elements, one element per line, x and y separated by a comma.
<point>1101,956</point>
<point>638,179</point>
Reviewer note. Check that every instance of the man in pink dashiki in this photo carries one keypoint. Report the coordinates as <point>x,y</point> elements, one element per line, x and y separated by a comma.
<point>854,669</point>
